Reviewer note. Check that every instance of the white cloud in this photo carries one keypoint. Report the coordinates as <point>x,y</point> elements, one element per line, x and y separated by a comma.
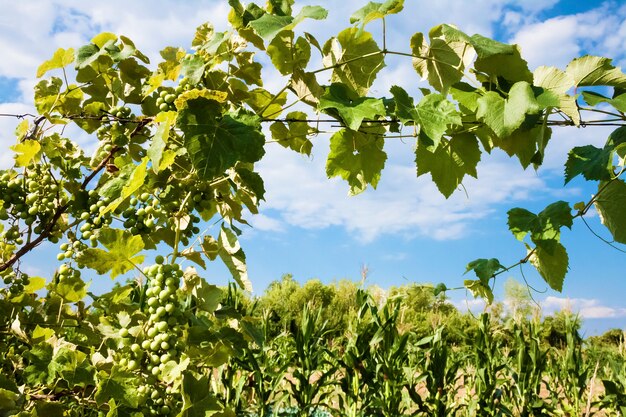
<point>558,40</point>
<point>266,223</point>
<point>31,31</point>
<point>587,308</point>
<point>403,204</point>
<point>473,305</point>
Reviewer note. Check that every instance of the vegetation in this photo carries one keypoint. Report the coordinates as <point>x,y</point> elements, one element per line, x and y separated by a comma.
<point>384,362</point>
<point>173,170</point>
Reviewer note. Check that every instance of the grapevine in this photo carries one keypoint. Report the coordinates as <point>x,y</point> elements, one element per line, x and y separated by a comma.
<point>173,171</point>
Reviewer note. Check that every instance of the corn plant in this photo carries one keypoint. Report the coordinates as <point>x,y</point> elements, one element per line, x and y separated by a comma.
<point>440,375</point>
<point>264,363</point>
<point>312,367</point>
<point>486,377</point>
<point>388,361</point>
<point>528,366</point>
<point>569,372</point>
<point>614,397</point>
<point>356,375</point>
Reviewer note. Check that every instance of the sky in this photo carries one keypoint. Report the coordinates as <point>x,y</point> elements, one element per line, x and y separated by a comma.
<point>404,231</point>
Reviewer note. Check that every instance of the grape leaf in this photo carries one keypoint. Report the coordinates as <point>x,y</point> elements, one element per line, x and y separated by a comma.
<point>119,257</point>
<point>210,247</point>
<point>372,11</point>
<point>357,157</point>
<point>248,69</point>
<point>595,70</point>
<point>499,59</point>
<point>526,145</point>
<point>160,138</point>
<point>610,204</point>
<point>173,370</point>
<point>449,162</point>
<point>294,134</point>
<point>71,289</point>
<point>234,258</point>
<point>466,95</point>
<point>215,142</point>
<point>72,366</point>
<point>551,264</point>
<point>120,385</point>
<point>135,181</point>
<point>61,58</point>
<point>484,268</point>
<point>42,333</point>
<point>192,67</point>
<point>38,356</point>
<point>356,59</point>
<point>479,289</point>
<point>504,116</point>
<point>47,94</point>
<point>113,186</point>
<point>593,99</point>
<point>305,86</point>
<point>543,226</point>
<point>215,95</point>
<point>208,296</point>
<point>351,108</point>
<point>521,222</point>
<point>280,7</point>
<point>265,103</point>
<point>558,82</point>
<point>434,113</point>
<point>171,66</point>
<point>593,163</point>
<point>87,54</point>
<point>443,62</point>
<point>26,152</point>
<point>198,401</point>
<point>553,79</point>
<point>287,55</point>
<point>9,401</point>
<point>269,25</point>
<point>193,256</point>
<point>404,106</point>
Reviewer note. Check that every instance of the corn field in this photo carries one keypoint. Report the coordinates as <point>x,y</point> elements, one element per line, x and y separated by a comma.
<point>502,368</point>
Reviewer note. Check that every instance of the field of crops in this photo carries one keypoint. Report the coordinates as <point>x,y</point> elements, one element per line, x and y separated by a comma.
<point>510,366</point>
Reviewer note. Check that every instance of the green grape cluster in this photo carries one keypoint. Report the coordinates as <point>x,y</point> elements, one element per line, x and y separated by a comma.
<point>71,250</point>
<point>123,112</point>
<point>15,282</point>
<point>160,341</point>
<point>106,145</point>
<point>67,272</point>
<point>143,214</point>
<point>166,98</point>
<point>112,132</point>
<point>203,197</point>
<point>31,198</point>
<point>94,217</point>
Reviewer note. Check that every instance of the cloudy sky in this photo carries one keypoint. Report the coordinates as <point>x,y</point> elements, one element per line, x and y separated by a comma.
<point>404,231</point>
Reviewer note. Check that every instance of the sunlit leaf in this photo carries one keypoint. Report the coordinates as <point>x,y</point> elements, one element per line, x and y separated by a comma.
<point>120,256</point>
<point>61,58</point>
<point>357,157</point>
<point>610,204</point>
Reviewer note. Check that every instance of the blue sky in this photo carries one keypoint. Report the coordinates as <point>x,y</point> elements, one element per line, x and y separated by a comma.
<point>404,231</point>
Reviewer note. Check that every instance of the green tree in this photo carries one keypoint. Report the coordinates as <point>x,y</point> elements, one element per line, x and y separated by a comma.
<point>518,299</point>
